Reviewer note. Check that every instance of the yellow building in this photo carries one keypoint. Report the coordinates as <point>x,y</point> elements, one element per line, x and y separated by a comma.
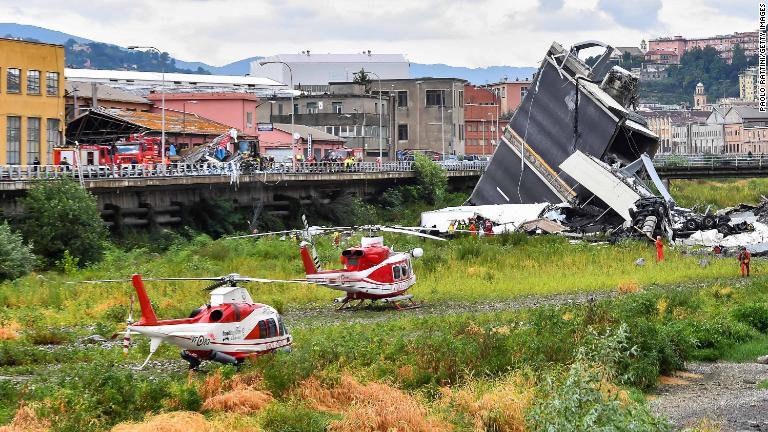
<point>748,85</point>
<point>31,101</point>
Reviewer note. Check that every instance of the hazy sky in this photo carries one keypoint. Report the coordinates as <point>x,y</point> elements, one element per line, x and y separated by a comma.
<point>456,32</point>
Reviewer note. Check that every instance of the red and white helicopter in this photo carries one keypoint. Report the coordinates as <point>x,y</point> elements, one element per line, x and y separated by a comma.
<point>371,270</point>
<point>227,330</point>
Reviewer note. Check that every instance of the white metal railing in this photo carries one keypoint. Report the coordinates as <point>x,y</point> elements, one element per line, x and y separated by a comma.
<point>89,172</point>
<point>711,161</point>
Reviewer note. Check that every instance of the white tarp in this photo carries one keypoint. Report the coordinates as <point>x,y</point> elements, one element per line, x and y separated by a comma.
<point>601,182</point>
<point>505,217</point>
<point>754,241</point>
<point>704,238</point>
<point>759,235</point>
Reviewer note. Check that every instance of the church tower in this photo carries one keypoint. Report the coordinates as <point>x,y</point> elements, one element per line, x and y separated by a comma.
<point>699,97</point>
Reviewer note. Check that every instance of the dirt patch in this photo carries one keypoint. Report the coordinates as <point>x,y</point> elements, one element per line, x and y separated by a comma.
<point>720,393</point>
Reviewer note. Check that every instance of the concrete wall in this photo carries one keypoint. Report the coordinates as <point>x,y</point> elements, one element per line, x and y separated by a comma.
<point>430,127</point>
<point>154,202</point>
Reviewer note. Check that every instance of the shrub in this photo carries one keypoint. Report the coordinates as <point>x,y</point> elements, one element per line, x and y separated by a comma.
<point>391,199</point>
<point>102,395</point>
<point>431,179</point>
<point>16,258</point>
<point>61,216</point>
<point>582,401</point>
<point>753,314</point>
<point>295,418</point>
<point>216,217</point>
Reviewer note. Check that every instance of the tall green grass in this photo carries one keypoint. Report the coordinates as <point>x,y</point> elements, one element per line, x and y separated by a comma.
<point>466,269</point>
<point>718,193</point>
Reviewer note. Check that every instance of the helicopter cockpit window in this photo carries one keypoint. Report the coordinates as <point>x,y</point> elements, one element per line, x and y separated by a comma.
<point>271,328</point>
<point>396,272</point>
<point>262,329</point>
<point>216,315</point>
<point>281,325</point>
<point>405,270</point>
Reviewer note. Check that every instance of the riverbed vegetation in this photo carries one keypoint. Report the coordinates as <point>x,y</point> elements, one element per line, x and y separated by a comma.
<point>463,365</point>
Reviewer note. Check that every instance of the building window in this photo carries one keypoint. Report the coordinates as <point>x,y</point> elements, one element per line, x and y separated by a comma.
<point>249,119</point>
<point>402,99</point>
<point>336,107</point>
<point>33,82</point>
<point>52,83</point>
<point>523,92</point>
<point>435,98</point>
<point>33,139</point>
<point>52,137</point>
<point>402,132</point>
<point>311,107</point>
<point>13,156</point>
<point>13,84</point>
<point>461,98</point>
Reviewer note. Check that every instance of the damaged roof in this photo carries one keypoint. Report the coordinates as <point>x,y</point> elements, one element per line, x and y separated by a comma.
<point>175,122</point>
<point>105,126</point>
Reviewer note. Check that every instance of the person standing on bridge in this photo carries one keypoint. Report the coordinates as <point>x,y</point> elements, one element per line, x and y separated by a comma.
<point>744,258</point>
<point>659,249</point>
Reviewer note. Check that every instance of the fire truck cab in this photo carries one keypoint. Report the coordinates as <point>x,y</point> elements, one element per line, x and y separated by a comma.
<point>87,155</point>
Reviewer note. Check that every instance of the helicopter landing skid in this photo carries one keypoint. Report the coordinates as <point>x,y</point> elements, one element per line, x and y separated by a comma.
<point>399,303</point>
<point>411,305</point>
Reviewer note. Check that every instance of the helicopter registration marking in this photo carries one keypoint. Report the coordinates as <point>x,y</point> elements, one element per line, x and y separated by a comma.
<point>200,341</point>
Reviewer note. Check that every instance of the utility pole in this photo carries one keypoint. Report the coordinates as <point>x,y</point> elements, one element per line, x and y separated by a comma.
<point>162,95</point>
<point>293,110</point>
<point>483,139</point>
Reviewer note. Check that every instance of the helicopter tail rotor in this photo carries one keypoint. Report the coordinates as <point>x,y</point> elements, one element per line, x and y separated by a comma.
<point>129,322</point>
<point>308,238</point>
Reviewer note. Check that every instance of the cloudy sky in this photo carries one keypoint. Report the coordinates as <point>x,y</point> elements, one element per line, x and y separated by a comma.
<point>456,32</point>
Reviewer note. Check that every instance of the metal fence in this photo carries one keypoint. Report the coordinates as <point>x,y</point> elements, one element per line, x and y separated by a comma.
<point>42,172</point>
<point>711,161</point>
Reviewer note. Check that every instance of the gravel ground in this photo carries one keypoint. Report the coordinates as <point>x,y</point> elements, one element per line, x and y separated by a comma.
<point>310,316</point>
<point>724,392</point>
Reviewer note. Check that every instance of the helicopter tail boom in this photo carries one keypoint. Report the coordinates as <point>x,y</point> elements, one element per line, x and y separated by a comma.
<point>309,264</point>
<point>148,316</point>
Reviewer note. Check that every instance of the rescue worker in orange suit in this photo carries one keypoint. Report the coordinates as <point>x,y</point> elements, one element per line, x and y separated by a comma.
<point>744,257</point>
<point>659,249</point>
<point>472,229</point>
<point>488,227</point>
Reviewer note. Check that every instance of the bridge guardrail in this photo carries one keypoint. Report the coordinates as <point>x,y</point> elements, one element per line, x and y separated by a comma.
<point>711,161</point>
<point>43,172</point>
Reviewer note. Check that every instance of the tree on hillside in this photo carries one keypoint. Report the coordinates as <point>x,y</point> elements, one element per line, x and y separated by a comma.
<point>721,79</point>
<point>62,216</point>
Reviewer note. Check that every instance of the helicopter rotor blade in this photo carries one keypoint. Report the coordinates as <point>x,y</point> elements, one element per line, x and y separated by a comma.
<point>407,232</point>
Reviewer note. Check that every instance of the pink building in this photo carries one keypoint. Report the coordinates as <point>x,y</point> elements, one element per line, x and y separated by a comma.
<point>237,110</point>
<point>277,142</point>
<point>510,95</point>
<point>724,44</point>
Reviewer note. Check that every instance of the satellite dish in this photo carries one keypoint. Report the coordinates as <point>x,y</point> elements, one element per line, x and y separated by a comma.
<point>296,136</point>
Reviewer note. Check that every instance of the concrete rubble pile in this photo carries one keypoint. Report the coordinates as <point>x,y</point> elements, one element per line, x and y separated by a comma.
<point>577,161</point>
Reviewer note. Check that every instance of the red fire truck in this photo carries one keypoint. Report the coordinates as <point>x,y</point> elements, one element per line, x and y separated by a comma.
<point>136,149</point>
